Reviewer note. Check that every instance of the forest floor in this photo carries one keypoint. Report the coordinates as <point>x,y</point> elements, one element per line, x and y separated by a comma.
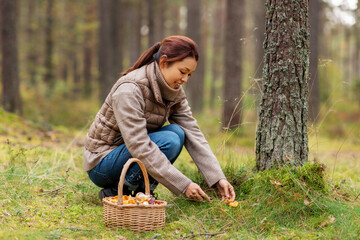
<point>45,194</point>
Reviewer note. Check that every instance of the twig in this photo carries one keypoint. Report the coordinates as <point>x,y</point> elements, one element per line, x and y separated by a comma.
<point>203,234</point>
<point>357,196</point>
<point>202,225</point>
<point>75,229</point>
<point>52,191</point>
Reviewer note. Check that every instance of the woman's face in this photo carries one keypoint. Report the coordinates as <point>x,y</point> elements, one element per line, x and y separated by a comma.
<point>177,73</point>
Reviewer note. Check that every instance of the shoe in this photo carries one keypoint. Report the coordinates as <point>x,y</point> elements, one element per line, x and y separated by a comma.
<point>107,192</point>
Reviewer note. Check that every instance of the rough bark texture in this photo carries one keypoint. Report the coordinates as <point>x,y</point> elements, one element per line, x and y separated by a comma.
<point>11,100</point>
<point>233,68</point>
<point>314,100</point>
<point>195,85</point>
<point>281,136</point>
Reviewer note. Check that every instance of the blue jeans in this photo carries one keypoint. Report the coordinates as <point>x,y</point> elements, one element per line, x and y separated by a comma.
<point>170,140</point>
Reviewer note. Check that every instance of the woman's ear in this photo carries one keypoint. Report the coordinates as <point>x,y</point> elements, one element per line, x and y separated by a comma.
<point>162,61</point>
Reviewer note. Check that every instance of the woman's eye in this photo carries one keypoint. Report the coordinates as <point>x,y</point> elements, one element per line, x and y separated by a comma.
<point>182,72</point>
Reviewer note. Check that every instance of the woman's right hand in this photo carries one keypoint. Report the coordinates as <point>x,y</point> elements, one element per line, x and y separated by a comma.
<point>194,192</point>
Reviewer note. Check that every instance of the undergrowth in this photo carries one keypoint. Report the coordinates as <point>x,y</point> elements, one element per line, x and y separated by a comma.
<point>45,194</point>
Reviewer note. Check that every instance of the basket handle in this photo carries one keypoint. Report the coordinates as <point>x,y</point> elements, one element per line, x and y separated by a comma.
<point>122,178</point>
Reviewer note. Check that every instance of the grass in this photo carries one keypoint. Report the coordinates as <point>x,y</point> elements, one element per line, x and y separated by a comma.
<point>45,194</point>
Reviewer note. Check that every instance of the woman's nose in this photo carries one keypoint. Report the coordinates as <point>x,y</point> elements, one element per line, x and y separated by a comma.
<point>185,78</point>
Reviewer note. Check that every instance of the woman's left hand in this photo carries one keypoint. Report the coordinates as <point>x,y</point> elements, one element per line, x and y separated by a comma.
<point>226,190</point>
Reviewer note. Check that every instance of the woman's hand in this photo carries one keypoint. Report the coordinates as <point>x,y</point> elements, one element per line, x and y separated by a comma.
<point>194,192</point>
<point>226,190</point>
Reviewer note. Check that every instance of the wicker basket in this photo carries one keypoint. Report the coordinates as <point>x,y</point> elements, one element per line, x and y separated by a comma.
<point>140,218</point>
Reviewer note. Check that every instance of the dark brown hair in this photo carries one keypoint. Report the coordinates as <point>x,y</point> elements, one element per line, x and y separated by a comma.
<point>176,48</point>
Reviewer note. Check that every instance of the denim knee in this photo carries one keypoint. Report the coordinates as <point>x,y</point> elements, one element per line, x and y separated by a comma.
<point>178,130</point>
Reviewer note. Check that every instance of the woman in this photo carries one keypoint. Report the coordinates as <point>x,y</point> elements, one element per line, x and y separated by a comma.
<point>131,124</point>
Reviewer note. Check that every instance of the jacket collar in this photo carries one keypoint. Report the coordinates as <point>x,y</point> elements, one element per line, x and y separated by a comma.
<point>160,87</point>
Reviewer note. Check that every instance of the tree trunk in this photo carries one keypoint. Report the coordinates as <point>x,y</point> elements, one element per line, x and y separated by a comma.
<point>233,68</point>
<point>151,22</point>
<point>259,37</point>
<point>105,79</point>
<point>11,100</point>
<point>134,39</point>
<point>49,45</point>
<point>32,52</point>
<point>195,85</point>
<point>87,52</point>
<point>314,100</point>
<point>110,42</point>
<point>281,137</point>
<point>116,39</point>
<point>217,59</point>
<point>259,21</point>
<point>357,44</point>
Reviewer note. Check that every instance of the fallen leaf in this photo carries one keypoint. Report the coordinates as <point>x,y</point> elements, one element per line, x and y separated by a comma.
<point>274,182</point>
<point>297,195</point>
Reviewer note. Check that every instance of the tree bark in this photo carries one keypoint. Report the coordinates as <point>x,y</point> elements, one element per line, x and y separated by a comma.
<point>49,45</point>
<point>134,39</point>
<point>105,79</point>
<point>195,85</point>
<point>314,100</point>
<point>11,100</point>
<point>281,136</point>
<point>218,49</point>
<point>151,22</point>
<point>110,42</point>
<point>233,67</point>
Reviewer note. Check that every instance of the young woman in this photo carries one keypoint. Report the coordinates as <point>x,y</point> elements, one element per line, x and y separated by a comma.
<point>131,122</point>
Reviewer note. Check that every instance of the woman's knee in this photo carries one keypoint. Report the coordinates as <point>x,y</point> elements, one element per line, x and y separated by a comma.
<point>177,130</point>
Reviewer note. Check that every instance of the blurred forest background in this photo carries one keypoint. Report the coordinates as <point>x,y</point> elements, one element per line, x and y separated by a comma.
<point>69,53</point>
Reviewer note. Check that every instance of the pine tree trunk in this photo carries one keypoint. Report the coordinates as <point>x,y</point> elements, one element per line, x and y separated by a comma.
<point>11,100</point>
<point>233,67</point>
<point>151,22</point>
<point>49,45</point>
<point>217,59</point>
<point>195,85</point>
<point>104,48</point>
<point>134,39</point>
<point>281,137</point>
<point>314,100</point>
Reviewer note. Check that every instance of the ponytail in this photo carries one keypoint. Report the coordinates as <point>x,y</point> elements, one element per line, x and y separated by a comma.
<point>176,48</point>
<point>145,58</point>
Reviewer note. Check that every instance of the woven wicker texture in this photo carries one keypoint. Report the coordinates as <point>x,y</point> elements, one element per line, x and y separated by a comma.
<point>140,218</point>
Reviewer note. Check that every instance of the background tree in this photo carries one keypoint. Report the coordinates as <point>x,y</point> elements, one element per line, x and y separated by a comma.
<point>259,33</point>
<point>356,63</point>
<point>49,45</point>
<point>281,135</point>
<point>314,100</point>
<point>218,49</point>
<point>133,30</point>
<point>233,64</point>
<point>11,100</point>
<point>195,86</point>
<point>110,42</point>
